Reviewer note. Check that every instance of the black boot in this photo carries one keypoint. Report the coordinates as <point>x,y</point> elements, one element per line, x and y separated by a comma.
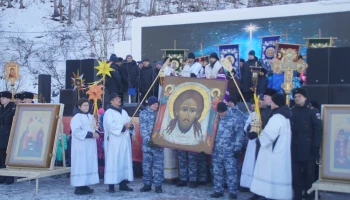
<point>10,180</point>
<point>80,191</point>
<point>2,179</point>
<point>111,188</point>
<point>124,187</point>
<point>232,196</point>
<point>216,195</point>
<point>88,190</point>
<point>158,189</point>
<point>181,183</point>
<point>193,184</point>
<point>146,188</point>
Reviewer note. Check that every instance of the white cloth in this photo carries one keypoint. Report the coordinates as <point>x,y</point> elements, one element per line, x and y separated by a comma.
<point>168,71</point>
<point>118,152</point>
<point>196,68</point>
<point>212,71</point>
<point>84,167</point>
<point>273,174</point>
<point>249,158</point>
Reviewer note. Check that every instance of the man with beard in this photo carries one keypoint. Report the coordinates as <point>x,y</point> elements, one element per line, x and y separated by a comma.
<point>306,142</point>
<point>130,79</point>
<point>192,68</point>
<point>7,111</point>
<point>246,78</point>
<point>212,70</point>
<point>147,76</point>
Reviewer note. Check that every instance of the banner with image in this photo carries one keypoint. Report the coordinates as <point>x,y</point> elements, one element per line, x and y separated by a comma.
<point>268,51</point>
<point>231,52</point>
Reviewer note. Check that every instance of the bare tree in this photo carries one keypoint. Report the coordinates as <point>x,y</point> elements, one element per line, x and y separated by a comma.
<point>80,2</point>
<point>89,16</point>
<point>21,6</point>
<point>9,5</point>
<point>70,13</point>
<point>61,11</point>
<point>55,9</point>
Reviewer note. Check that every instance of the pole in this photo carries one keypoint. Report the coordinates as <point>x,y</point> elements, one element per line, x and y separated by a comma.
<point>103,95</point>
<point>240,93</point>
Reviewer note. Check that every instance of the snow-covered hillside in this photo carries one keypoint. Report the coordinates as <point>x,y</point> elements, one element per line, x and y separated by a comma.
<point>40,41</point>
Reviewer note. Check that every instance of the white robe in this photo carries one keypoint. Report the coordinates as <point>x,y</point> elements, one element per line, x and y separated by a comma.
<point>84,168</point>
<point>273,171</point>
<point>212,71</point>
<point>249,158</point>
<point>118,151</point>
<point>196,68</point>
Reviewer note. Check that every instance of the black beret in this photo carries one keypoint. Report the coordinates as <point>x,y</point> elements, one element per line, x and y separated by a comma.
<point>301,91</point>
<point>28,95</point>
<point>270,92</point>
<point>221,107</point>
<point>6,94</point>
<point>19,96</point>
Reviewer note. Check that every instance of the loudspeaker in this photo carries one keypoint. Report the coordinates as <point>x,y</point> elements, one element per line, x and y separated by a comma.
<point>339,66</point>
<point>88,69</point>
<point>317,93</point>
<point>318,66</point>
<point>69,98</point>
<point>339,94</point>
<point>71,66</point>
<point>44,88</point>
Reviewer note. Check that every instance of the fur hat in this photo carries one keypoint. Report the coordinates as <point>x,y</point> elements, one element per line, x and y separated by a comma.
<point>191,55</point>
<point>214,55</point>
<point>152,100</point>
<point>251,53</point>
<point>270,92</point>
<point>28,95</point>
<point>6,94</point>
<point>301,91</point>
<point>221,107</point>
<point>279,99</point>
<point>18,96</point>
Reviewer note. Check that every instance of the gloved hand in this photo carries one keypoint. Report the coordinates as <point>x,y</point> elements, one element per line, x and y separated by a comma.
<point>236,154</point>
<point>151,144</point>
<point>315,150</point>
<point>252,135</point>
<point>193,75</point>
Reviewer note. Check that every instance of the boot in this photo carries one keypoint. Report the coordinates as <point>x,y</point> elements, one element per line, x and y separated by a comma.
<point>146,188</point>
<point>181,183</point>
<point>232,196</point>
<point>193,184</point>
<point>111,188</point>
<point>80,191</point>
<point>2,179</point>
<point>10,180</point>
<point>124,187</point>
<point>88,190</point>
<point>243,189</point>
<point>201,183</point>
<point>216,195</point>
<point>158,189</point>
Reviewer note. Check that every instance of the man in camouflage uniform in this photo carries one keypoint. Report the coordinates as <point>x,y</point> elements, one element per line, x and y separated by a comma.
<point>196,168</point>
<point>153,156</point>
<point>227,149</point>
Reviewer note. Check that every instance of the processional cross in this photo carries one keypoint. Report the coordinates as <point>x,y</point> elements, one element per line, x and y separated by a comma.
<point>287,61</point>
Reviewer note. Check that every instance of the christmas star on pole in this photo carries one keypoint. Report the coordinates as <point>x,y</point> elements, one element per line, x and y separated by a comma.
<point>95,93</point>
<point>104,69</point>
<point>78,82</point>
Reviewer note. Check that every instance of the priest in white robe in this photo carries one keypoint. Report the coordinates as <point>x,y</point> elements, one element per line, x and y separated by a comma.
<point>117,144</point>
<point>192,68</point>
<point>273,174</point>
<point>84,167</point>
<point>213,68</point>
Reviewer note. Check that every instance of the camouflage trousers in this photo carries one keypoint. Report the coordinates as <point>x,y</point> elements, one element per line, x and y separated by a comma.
<point>153,159</point>
<point>196,167</point>
<point>225,163</point>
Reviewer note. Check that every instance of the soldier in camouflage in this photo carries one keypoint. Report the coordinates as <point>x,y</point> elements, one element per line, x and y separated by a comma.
<point>227,149</point>
<point>153,156</point>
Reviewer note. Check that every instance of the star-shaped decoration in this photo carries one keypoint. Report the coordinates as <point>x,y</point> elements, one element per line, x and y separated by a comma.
<point>78,82</point>
<point>104,68</point>
<point>95,92</point>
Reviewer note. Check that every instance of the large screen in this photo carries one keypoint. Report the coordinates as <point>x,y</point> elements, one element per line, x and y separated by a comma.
<point>190,36</point>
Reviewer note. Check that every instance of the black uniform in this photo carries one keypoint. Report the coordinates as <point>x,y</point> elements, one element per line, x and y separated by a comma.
<point>6,117</point>
<point>306,142</point>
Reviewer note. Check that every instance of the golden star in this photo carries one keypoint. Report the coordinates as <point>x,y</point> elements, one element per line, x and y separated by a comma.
<point>95,92</point>
<point>104,68</point>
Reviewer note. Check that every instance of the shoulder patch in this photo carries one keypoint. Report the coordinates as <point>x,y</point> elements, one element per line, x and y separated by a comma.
<point>318,115</point>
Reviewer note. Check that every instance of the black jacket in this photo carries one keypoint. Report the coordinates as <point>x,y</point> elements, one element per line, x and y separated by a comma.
<point>262,84</point>
<point>6,117</point>
<point>306,133</point>
<point>246,78</point>
<point>147,75</point>
<point>130,73</point>
<point>114,83</point>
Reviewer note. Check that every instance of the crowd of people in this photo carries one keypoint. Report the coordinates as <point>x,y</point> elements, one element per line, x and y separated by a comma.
<point>279,162</point>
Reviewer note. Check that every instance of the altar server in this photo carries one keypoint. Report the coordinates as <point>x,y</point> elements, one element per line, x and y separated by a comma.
<point>84,169</point>
<point>117,144</point>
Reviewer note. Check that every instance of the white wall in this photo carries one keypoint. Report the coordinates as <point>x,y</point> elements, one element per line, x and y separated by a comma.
<point>122,49</point>
<point>233,15</point>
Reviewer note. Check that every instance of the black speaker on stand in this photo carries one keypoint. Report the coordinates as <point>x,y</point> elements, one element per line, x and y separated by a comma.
<point>69,98</point>
<point>318,66</point>
<point>44,88</point>
<point>339,66</point>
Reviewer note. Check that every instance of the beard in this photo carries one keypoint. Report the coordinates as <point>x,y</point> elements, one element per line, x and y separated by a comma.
<point>184,128</point>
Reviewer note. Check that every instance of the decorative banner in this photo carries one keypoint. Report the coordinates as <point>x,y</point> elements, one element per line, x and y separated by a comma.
<point>268,50</point>
<point>203,60</point>
<point>282,48</point>
<point>177,58</point>
<point>319,42</point>
<point>95,93</point>
<point>78,82</point>
<point>231,52</point>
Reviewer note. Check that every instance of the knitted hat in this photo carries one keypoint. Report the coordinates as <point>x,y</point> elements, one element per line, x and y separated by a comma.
<point>270,92</point>
<point>28,95</point>
<point>251,53</point>
<point>152,100</point>
<point>120,59</point>
<point>159,63</point>
<point>301,91</point>
<point>18,96</point>
<point>279,99</point>
<point>214,55</point>
<point>6,94</point>
<point>221,107</point>
<point>145,60</point>
<point>113,58</point>
<point>241,60</point>
<point>191,55</point>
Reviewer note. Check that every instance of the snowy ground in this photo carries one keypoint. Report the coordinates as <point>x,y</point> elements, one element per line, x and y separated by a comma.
<point>50,188</point>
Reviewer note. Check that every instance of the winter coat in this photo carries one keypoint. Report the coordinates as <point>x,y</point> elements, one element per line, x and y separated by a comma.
<point>262,84</point>
<point>114,83</point>
<point>231,86</point>
<point>147,75</point>
<point>276,82</point>
<point>147,120</point>
<point>246,78</point>
<point>130,73</point>
<point>306,132</point>
<point>6,117</point>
